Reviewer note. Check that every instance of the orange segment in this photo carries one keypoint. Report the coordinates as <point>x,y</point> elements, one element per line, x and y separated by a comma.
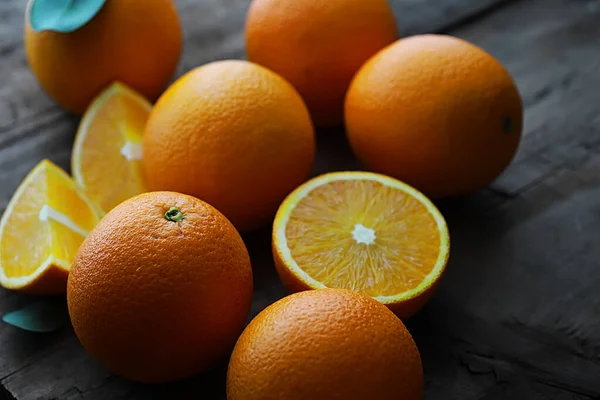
<point>107,153</point>
<point>362,231</point>
<point>41,230</point>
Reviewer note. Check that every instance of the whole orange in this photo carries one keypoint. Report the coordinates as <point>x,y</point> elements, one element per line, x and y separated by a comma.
<point>231,133</point>
<point>318,45</point>
<point>137,42</point>
<point>161,288</point>
<point>436,112</point>
<point>325,344</point>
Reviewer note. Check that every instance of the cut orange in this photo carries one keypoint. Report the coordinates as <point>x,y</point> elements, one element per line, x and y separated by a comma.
<point>107,153</point>
<point>362,231</point>
<point>41,230</point>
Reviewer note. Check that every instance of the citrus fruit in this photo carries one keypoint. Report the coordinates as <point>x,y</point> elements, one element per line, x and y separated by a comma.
<point>435,112</point>
<point>318,45</point>
<point>136,42</point>
<point>41,229</point>
<point>160,289</point>
<point>362,231</point>
<point>233,134</point>
<point>325,344</point>
<point>106,157</point>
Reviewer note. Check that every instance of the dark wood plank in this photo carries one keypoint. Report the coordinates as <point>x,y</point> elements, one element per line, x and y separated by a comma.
<point>516,316</point>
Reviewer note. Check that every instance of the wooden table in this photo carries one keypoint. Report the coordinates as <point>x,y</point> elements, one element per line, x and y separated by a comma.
<point>518,313</point>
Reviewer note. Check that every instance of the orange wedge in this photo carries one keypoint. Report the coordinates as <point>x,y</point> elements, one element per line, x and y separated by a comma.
<point>41,230</point>
<point>106,158</point>
<point>362,231</point>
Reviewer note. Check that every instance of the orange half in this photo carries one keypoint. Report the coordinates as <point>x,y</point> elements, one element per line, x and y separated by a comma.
<point>107,154</point>
<point>42,228</point>
<point>362,231</point>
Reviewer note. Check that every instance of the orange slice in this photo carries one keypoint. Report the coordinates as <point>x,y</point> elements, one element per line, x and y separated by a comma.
<point>106,158</point>
<point>362,231</point>
<point>41,230</point>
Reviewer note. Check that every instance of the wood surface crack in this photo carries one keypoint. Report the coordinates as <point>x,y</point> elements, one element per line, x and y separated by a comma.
<point>5,394</point>
<point>32,123</point>
<point>577,152</point>
<point>508,372</point>
<point>540,353</point>
<point>16,371</point>
<point>569,389</point>
<point>77,392</point>
<point>570,342</point>
<point>546,91</point>
<point>7,50</point>
<point>476,16</point>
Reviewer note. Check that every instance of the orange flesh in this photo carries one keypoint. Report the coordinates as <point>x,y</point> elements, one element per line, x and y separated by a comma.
<point>364,236</point>
<point>27,240</point>
<point>21,254</point>
<point>108,176</point>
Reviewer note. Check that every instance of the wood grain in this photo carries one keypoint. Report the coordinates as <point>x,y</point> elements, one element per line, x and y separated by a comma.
<point>516,316</point>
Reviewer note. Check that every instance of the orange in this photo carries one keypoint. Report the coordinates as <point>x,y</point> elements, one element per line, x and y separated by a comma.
<point>365,232</point>
<point>324,345</point>
<point>137,42</point>
<point>233,134</point>
<point>160,289</point>
<point>436,112</point>
<point>106,158</point>
<point>41,229</point>
<point>318,45</point>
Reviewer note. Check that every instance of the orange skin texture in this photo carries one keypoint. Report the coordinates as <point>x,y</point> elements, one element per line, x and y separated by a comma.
<point>156,300</point>
<point>318,45</point>
<point>432,110</point>
<point>233,134</point>
<point>403,309</point>
<point>136,42</point>
<point>325,344</point>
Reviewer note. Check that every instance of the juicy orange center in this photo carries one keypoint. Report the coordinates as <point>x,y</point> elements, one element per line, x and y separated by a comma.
<point>49,218</point>
<point>112,150</point>
<point>365,236</point>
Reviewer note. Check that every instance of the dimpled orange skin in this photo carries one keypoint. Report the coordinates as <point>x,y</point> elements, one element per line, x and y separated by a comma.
<point>133,41</point>
<point>325,344</point>
<point>156,300</point>
<point>435,112</point>
<point>233,134</point>
<point>318,45</point>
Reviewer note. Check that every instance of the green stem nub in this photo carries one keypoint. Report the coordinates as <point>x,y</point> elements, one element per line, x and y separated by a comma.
<point>174,215</point>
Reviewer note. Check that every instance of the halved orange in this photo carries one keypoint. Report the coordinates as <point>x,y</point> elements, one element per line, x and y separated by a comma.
<point>107,154</point>
<point>362,231</point>
<point>46,220</point>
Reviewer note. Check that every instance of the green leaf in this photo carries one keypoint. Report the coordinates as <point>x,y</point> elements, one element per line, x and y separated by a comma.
<point>62,15</point>
<point>42,316</point>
